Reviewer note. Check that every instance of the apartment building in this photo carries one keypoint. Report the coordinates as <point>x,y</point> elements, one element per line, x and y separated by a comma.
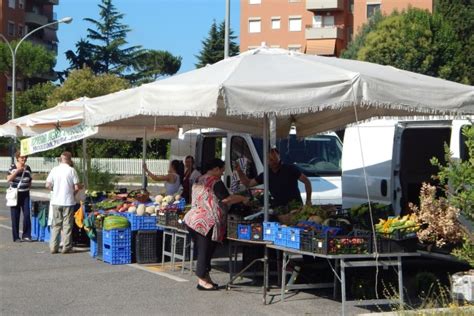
<point>322,27</point>
<point>17,18</point>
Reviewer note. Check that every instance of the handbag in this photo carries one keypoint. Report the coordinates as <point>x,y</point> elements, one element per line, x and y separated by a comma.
<point>12,193</point>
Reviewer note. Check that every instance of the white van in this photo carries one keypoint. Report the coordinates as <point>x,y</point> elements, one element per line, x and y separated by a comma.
<point>318,157</point>
<point>397,158</point>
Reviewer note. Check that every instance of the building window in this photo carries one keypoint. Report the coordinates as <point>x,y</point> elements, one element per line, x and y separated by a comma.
<point>290,1</point>
<point>294,48</point>
<point>328,21</point>
<point>255,25</point>
<point>21,4</point>
<point>21,30</point>
<point>255,1</point>
<point>11,4</point>
<point>276,23</point>
<point>317,21</point>
<point>372,9</point>
<point>295,24</point>
<point>11,28</point>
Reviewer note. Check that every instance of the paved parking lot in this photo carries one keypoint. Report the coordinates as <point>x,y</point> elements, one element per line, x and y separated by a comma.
<point>32,281</point>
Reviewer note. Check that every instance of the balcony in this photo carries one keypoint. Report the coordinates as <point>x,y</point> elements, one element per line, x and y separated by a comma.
<point>324,32</point>
<point>321,5</point>
<point>35,18</point>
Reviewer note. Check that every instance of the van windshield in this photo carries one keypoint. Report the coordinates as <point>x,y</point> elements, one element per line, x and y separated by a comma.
<point>318,155</point>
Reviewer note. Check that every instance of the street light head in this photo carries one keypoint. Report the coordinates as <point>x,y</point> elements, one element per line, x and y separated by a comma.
<point>66,20</point>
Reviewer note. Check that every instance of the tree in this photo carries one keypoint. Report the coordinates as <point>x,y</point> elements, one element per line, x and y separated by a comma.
<point>460,14</point>
<point>153,64</point>
<point>359,40</point>
<point>417,41</point>
<point>84,82</point>
<point>31,60</point>
<point>213,46</point>
<point>32,100</point>
<point>110,35</point>
<point>83,57</point>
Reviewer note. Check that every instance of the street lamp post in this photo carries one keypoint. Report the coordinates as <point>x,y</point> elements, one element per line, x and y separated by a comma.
<point>13,51</point>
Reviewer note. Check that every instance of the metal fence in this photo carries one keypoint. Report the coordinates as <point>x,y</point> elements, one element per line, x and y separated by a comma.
<point>112,165</point>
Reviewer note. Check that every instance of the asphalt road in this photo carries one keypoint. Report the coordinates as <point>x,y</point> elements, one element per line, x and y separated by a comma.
<point>34,282</point>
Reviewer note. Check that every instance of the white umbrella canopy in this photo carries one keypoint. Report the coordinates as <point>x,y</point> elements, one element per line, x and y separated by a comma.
<point>312,92</point>
<point>67,114</point>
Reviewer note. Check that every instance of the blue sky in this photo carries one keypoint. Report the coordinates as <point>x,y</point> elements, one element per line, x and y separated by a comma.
<point>177,26</point>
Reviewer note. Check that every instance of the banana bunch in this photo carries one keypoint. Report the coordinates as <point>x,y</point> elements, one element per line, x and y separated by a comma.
<point>408,223</point>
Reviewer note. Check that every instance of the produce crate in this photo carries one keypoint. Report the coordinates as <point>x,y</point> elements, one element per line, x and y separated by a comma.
<point>280,236</point>
<point>146,248</point>
<point>256,231</point>
<point>44,233</point>
<point>117,255</point>
<point>269,230</point>
<point>116,237</point>
<point>38,206</point>
<point>244,231</point>
<point>342,245</point>
<point>144,222</point>
<point>318,228</point>
<point>93,248</point>
<point>307,240</point>
<point>293,237</point>
<point>35,228</point>
<point>168,218</point>
<point>100,247</point>
<point>232,227</point>
<point>386,245</point>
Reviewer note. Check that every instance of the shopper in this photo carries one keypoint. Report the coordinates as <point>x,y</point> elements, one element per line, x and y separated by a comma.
<point>190,177</point>
<point>206,221</point>
<point>173,179</point>
<point>64,183</point>
<point>19,176</point>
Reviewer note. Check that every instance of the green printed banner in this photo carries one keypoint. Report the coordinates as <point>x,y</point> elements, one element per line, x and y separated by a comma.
<point>55,138</point>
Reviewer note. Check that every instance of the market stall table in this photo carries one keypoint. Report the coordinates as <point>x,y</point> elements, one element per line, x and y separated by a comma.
<point>177,236</point>
<point>344,261</point>
<point>234,244</point>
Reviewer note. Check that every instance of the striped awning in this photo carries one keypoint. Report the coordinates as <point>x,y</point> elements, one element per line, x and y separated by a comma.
<point>325,47</point>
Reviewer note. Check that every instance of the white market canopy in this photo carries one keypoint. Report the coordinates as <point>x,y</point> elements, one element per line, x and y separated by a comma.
<point>69,114</point>
<point>314,93</point>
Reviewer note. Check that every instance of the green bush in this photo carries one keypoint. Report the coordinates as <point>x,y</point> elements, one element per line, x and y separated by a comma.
<point>98,179</point>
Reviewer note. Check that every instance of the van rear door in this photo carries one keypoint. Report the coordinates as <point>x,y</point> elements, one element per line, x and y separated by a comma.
<point>373,149</point>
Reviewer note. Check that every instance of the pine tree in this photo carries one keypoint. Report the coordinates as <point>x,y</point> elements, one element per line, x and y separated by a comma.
<point>213,46</point>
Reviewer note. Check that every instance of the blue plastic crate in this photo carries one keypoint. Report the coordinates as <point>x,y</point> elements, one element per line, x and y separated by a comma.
<point>119,255</point>
<point>293,237</point>
<point>35,228</point>
<point>93,248</point>
<point>44,233</point>
<point>117,238</point>
<point>140,222</point>
<point>244,231</point>
<point>269,230</point>
<point>280,236</point>
<point>47,234</point>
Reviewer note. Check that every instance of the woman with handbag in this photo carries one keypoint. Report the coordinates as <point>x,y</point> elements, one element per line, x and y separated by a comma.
<point>19,177</point>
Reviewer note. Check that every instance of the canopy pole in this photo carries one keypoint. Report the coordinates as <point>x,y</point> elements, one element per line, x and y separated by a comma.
<point>145,179</point>
<point>265,168</point>
<point>84,163</point>
<point>226,29</point>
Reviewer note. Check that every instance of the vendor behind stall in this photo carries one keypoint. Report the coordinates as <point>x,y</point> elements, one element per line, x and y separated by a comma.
<point>283,181</point>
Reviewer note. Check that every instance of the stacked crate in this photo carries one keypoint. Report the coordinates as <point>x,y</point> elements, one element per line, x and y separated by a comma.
<point>116,244</point>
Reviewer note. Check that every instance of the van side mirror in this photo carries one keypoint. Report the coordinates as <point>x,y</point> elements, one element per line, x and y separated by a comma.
<point>383,187</point>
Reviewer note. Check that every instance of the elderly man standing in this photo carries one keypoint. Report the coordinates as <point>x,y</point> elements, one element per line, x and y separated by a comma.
<point>64,183</point>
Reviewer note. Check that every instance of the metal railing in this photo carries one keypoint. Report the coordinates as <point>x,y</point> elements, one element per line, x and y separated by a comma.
<point>112,165</point>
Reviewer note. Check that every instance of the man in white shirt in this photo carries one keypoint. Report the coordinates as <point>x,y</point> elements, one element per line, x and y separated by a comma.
<point>64,183</point>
